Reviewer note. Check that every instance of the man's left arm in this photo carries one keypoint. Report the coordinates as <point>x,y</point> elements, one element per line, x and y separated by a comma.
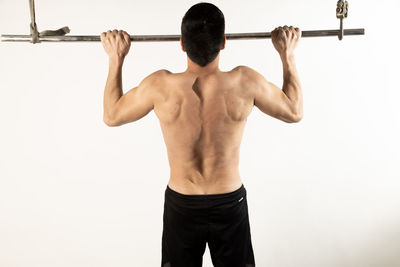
<point>122,108</point>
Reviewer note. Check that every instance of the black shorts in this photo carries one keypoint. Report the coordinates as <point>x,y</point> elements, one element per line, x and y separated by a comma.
<point>190,221</point>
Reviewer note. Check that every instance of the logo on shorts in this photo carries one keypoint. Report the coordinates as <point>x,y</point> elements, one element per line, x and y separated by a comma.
<point>240,199</point>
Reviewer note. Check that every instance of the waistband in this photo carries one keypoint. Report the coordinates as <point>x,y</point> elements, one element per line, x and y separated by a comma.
<point>240,191</point>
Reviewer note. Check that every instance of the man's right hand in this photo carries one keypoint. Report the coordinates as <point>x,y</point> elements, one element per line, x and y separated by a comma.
<point>116,43</point>
<point>285,39</point>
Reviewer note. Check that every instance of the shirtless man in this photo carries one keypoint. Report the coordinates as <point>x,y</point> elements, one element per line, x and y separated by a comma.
<point>202,113</point>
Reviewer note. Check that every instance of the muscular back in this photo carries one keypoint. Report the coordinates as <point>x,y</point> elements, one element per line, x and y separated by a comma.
<point>202,120</point>
<point>203,111</point>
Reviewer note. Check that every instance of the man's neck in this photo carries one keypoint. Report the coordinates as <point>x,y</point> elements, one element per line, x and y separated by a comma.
<point>211,67</point>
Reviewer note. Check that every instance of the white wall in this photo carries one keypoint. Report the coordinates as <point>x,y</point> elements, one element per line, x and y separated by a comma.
<point>321,193</point>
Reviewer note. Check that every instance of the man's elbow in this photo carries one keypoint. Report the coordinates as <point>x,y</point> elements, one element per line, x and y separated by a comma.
<point>297,117</point>
<point>109,122</point>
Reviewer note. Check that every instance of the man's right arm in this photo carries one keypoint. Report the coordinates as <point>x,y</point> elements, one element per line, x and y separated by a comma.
<point>285,104</point>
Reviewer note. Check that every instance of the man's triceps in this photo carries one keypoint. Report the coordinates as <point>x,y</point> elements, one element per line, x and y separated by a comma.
<point>268,97</point>
<point>136,103</point>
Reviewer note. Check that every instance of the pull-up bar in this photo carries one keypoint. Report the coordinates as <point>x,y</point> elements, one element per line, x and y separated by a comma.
<point>59,35</point>
<point>166,38</point>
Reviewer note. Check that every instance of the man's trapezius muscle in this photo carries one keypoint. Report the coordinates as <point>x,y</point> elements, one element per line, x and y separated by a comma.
<point>203,111</point>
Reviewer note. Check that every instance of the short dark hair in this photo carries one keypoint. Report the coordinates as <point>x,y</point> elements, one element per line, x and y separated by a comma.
<point>203,31</point>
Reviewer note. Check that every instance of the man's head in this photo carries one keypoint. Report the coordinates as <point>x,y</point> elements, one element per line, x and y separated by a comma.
<point>203,33</point>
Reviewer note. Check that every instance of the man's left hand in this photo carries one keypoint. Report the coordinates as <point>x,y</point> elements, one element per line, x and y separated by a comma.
<point>116,43</point>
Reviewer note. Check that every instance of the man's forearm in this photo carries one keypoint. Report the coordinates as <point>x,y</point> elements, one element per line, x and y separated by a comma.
<point>113,89</point>
<point>291,83</point>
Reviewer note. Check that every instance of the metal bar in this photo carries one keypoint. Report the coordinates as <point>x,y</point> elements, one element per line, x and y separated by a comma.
<point>165,38</point>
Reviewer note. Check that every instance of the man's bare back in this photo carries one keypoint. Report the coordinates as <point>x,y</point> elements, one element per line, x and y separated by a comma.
<point>202,120</point>
<point>203,110</point>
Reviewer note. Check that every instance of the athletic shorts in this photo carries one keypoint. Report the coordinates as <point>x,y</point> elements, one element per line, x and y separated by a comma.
<point>191,221</point>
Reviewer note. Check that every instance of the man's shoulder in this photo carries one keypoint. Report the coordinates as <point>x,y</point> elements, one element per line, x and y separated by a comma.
<point>242,69</point>
<point>160,73</point>
<point>156,77</point>
<point>244,74</point>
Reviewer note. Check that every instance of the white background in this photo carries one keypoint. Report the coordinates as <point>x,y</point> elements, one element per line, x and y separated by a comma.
<point>321,193</point>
